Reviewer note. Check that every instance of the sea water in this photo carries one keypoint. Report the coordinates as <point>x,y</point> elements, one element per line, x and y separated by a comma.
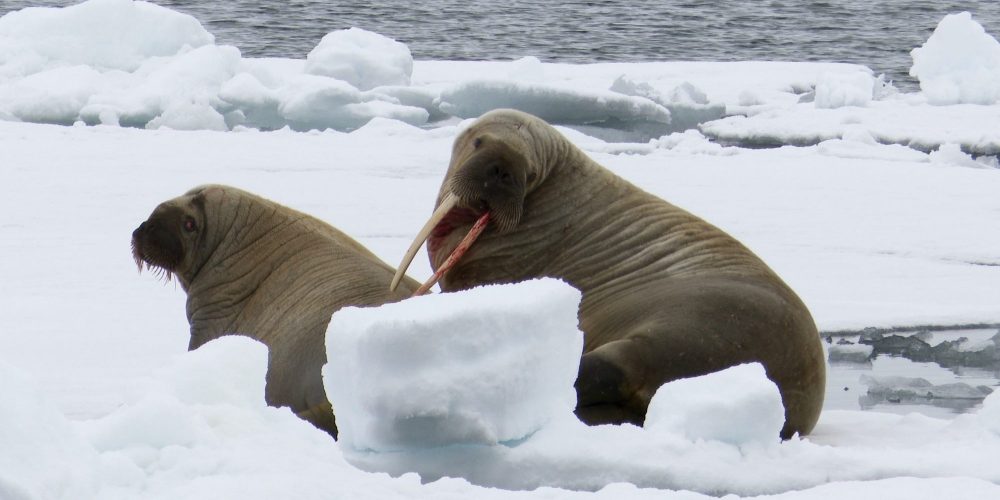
<point>878,34</point>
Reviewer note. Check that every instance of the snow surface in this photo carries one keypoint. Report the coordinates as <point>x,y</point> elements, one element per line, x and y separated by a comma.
<point>99,387</point>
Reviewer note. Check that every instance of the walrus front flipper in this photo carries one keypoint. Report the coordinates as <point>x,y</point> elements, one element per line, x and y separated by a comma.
<point>322,417</point>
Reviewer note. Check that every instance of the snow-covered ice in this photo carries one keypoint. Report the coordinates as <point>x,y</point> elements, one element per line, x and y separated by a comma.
<point>958,69</point>
<point>99,387</point>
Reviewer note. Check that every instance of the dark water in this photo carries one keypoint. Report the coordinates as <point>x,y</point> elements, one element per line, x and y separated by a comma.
<point>878,34</point>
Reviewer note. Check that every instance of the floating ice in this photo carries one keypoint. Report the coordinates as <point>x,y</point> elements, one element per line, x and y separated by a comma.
<point>850,353</point>
<point>959,63</point>
<point>119,62</point>
<point>364,59</point>
<point>738,405</point>
<point>314,102</point>
<point>915,387</point>
<point>482,366</point>
<point>550,102</point>
<point>687,104</point>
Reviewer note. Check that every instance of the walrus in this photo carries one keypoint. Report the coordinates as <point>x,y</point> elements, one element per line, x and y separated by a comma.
<point>253,267</point>
<point>665,295</point>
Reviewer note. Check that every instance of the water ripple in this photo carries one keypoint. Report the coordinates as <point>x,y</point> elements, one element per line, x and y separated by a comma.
<point>877,34</point>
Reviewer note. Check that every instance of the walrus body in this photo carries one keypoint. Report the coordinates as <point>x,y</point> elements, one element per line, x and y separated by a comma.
<point>666,295</point>
<point>256,268</point>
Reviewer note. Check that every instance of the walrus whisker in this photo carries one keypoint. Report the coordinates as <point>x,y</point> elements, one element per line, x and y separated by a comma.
<point>136,256</point>
<point>463,246</point>
<point>447,204</point>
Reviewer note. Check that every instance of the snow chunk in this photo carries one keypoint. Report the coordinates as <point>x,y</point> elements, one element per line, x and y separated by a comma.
<point>484,366</point>
<point>106,34</point>
<point>362,58</point>
<point>551,103</point>
<point>738,405</point>
<point>959,63</point>
<point>836,90</point>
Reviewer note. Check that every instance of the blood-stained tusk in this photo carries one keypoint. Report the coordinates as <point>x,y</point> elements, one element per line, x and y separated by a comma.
<point>456,254</point>
<point>446,205</point>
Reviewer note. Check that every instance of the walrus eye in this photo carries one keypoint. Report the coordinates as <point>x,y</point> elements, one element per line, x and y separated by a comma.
<point>190,225</point>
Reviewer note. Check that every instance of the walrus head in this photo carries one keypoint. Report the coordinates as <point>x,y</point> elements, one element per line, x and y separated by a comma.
<point>496,163</point>
<point>163,243</point>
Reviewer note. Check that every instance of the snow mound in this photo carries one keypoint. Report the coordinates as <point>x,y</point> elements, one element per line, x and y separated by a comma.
<point>551,103</point>
<point>989,414</point>
<point>364,59</point>
<point>118,62</point>
<point>105,34</point>
<point>836,90</point>
<point>738,405</point>
<point>314,102</point>
<point>692,142</point>
<point>41,457</point>
<point>952,154</point>
<point>484,366</point>
<point>959,63</point>
<point>687,104</point>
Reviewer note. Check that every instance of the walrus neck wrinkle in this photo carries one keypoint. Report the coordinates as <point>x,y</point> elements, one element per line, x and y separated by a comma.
<point>617,237</point>
<point>244,232</point>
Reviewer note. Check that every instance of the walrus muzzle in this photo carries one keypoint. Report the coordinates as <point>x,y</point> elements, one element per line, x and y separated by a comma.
<point>489,187</point>
<point>157,246</point>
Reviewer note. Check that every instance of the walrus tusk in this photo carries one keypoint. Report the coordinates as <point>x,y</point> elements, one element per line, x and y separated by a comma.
<point>446,205</point>
<point>456,254</point>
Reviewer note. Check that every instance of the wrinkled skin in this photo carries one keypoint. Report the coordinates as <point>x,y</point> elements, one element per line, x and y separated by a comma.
<point>255,268</point>
<point>666,295</point>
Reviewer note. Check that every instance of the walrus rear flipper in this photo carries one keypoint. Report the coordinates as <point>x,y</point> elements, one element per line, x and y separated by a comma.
<point>322,417</point>
<point>603,392</point>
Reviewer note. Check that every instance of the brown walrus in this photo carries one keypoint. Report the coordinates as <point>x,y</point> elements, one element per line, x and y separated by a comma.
<point>253,267</point>
<point>666,295</point>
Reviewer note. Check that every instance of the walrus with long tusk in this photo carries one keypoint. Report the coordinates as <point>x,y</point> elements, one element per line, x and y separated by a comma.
<point>666,295</point>
<point>253,267</point>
